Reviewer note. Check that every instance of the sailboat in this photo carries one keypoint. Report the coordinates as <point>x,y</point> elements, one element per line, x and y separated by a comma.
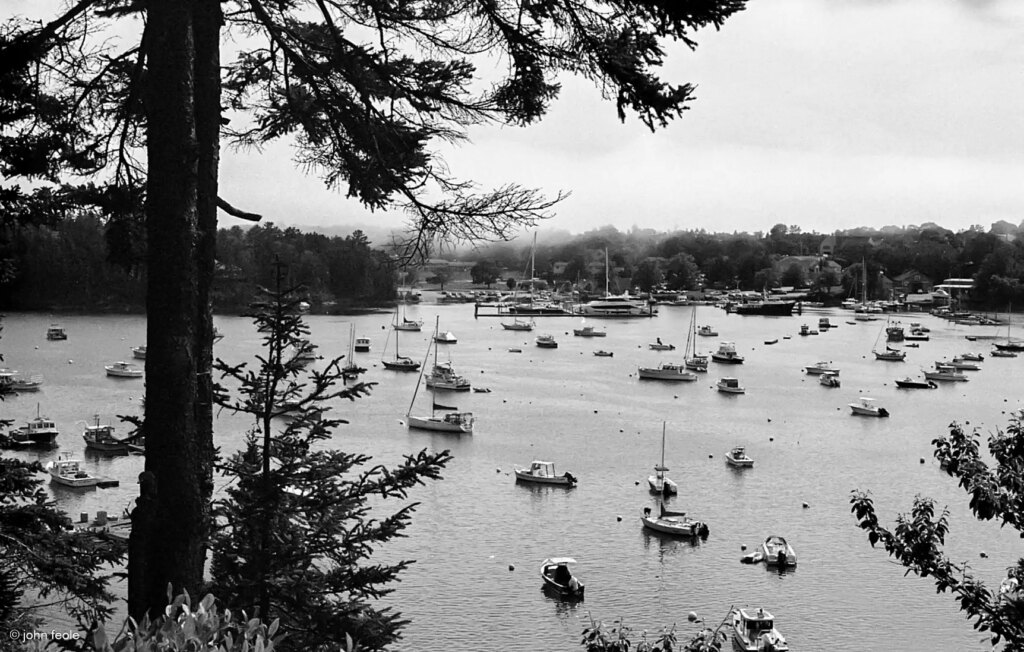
<point>659,482</point>
<point>406,324</point>
<point>399,362</point>
<point>531,306</point>
<point>887,352</point>
<point>351,370</point>
<point>694,361</point>
<point>453,421</point>
<point>442,375</point>
<point>1011,345</point>
<point>864,311</point>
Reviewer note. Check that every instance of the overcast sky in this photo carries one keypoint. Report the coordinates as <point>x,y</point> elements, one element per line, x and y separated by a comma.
<point>827,114</point>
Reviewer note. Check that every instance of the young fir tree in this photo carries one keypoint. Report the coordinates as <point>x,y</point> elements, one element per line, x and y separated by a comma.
<point>41,556</point>
<point>294,533</point>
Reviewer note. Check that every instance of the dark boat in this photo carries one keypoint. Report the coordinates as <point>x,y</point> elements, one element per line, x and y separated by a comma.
<point>771,307</point>
<point>910,383</point>
<point>557,577</point>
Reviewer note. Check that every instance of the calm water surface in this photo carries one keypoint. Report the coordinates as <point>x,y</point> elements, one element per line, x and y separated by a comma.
<point>478,538</point>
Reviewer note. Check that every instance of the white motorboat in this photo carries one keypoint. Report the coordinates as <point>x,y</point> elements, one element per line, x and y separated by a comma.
<point>123,370</point>
<point>362,345</point>
<point>69,472</point>
<point>556,575</point>
<point>730,386</point>
<point>975,357</point>
<point>588,331</point>
<point>821,368</point>
<point>829,379</point>
<point>776,551</point>
<point>866,407</point>
<point>612,305</point>
<point>448,422</point>
<point>659,483</point>
<point>446,337</point>
<point>676,523</point>
<point>139,352</point>
<point>945,372</point>
<point>737,456</point>
<point>101,438</point>
<point>961,363</point>
<point>544,473</point>
<point>726,354</point>
<point>755,632</point>
<point>11,380</point>
<point>666,371</point>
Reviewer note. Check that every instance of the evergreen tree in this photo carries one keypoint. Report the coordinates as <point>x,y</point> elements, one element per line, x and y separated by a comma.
<point>295,533</point>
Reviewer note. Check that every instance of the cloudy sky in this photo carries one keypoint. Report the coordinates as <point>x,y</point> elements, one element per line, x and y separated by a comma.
<point>826,114</point>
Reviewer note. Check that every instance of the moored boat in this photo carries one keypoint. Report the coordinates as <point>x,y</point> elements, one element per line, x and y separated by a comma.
<point>447,337</point>
<point>659,483</point>
<point>829,379</point>
<point>604,354</point>
<point>69,472</point>
<point>707,331</point>
<point>123,370</point>
<point>821,368</point>
<point>912,383</point>
<point>39,432</point>
<point>866,407</point>
<point>547,342</point>
<point>755,632</point>
<point>666,371</point>
<point>362,345</point>
<point>776,551</point>
<point>139,352</point>
<point>56,332</point>
<point>544,473</point>
<point>726,354</point>
<point>737,456</point>
<point>730,386</point>
<point>101,438</point>
<point>11,380</point>
<point>945,372</point>
<point>518,325</point>
<point>556,575</point>
<point>661,346</point>
<point>588,331</point>
<point>675,523</point>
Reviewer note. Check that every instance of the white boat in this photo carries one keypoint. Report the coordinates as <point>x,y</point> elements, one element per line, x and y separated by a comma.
<point>442,375</point>
<point>406,324</point>
<point>55,332</point>
<point>945,372</point>
<point>518,325</point>
<point>304,351</point>
<point>960,363</point>
<point>975,357</point>
<point>821,368</point>
<point>829,379</point>
<point>866,407</point>
<point>737,456</point>
<point>450,420</point>
<point>40,432</point>
<point>556,575</point>
<point>755,632</point>
<point>666,371</point>
<point>730,386</point>
<point>676,523</point>
<point>776,551</point>
<point>659,483</point>
<point>661,346</point>
<point>588,331</point>
<point>446,337</point>
<point>139,352</point>
<point>544,473</point>
<point>886,352</point>
<point>916,335</point>
<point>547,342</point>
<point>123,370</point>
<point>726,354</point>
<point>612,305</point>
<point>694,361</point>
<point>707,331</point>
<point>13,381</point>
<point>101,438</point>
<point>69,473</point>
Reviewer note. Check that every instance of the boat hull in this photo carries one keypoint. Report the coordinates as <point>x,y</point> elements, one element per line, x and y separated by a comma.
<point>768,308</point>
<point>400,366</point>
<point>676,526</point>
<point>438,424</point>
<point>666,373</point>
<point>524,475</point>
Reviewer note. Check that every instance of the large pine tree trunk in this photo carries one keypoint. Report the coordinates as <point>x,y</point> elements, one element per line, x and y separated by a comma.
<point>169,547</point>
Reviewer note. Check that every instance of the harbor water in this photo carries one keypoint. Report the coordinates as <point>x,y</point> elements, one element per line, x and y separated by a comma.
<point>478,537</point>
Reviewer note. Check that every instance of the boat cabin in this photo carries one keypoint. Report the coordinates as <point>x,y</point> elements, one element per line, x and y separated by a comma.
<point>755,624</point>
<point>542,469</point>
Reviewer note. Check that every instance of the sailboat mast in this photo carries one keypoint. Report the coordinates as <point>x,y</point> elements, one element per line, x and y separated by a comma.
<point>662,444</point>
<point>419,381</point>
<point>606,272</point>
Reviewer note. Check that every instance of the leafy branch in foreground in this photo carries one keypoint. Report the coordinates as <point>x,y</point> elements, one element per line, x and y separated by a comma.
<point>996,493</point>
<point>295,533</point>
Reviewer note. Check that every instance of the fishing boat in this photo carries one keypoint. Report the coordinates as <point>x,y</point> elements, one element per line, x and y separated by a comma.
<point>544,473</point>
<point>755,632</point>
<point>139,352</point>
<point>69,472</point>
<point>730,386</point>
<point>737,456</point>
<point>675,523</point>
<point>556,576</point>
<point>588,331</point>
<point>39,432</point>
<point>399,362</point>
<point>659,483</point>
<point>451,420</point>
<point>546,342</point>
<point>894,332</point>
<point>866,407</point>
<point>518,325</point>
<point>829,379</point>
<point>821,368</point>
<point>362,345</point>
<point>726,354</point>
<point>694,361</point>
<point>101,438</point>
<point>776,551</point>
<point>123,370</point>
<point>12,381</point>
<point>56,332</point>
<point>912,383</point>
<point>666,371</point>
